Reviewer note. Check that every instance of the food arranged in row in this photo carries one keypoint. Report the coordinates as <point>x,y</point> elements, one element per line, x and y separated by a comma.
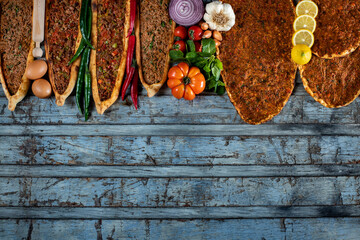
<point>304,26</point>
<point>103,48</point>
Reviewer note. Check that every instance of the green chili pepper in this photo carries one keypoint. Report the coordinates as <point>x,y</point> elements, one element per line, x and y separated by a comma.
<point>84,15</point>
<point>87,93</point>
<point>81,75</point>
<point>83,43</point>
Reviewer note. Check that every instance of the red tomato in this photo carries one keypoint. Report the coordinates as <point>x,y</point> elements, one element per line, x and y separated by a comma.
<point>180,32</point>
<point>195,33</point>
<point>198,46</point>
<point>180,45</point>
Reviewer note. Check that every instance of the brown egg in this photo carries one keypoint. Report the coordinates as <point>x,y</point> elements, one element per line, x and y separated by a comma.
<point>36,69</point>
<point>41,88</point>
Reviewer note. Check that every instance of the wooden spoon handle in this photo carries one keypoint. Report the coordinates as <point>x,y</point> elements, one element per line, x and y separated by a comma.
<point>38,20</point>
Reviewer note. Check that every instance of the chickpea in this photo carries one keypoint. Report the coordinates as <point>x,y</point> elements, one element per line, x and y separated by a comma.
<point>217,35</point>
<point>204,26</point>
<point>217,43</point>
<point>207,34</point>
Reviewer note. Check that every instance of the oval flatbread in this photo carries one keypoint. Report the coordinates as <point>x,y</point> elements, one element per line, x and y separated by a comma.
<point>110,24</point>
<point>154,31</point>
<point>62,40</point>
<point>256,53</point>
<point>16,50</point>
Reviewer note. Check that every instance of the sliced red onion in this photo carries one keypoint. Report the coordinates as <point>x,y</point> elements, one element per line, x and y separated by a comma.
<point>186,12</point>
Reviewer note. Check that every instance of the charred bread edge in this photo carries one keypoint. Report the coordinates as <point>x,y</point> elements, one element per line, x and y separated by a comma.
<point>317,97</point>
<point>60,98</point>
<point>25,82</point>
<point>153,88</point>
<point>101,106</point>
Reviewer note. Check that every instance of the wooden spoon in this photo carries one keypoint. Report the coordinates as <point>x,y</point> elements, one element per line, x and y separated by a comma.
<point>38,26</point>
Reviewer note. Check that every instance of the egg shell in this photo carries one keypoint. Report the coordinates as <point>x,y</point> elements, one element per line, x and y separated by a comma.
<point>36,69</point>
<point>41,88</point>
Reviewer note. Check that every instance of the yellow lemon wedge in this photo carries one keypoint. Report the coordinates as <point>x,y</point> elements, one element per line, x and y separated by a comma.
<point>307,7</point>
<point>305,22</point>
<point>303,36</point>
<point>301,54</point>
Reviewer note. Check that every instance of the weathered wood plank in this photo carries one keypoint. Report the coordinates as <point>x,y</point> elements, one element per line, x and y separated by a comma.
<point>270,229</point>
<point>180,171</point>
<point>170,192</point>
<point>164,109</point>
<point>178,213</point>
<point>181,130</point>
<point>175,150</point>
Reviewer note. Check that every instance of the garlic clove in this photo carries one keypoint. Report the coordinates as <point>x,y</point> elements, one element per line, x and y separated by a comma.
<point>228,10</point>
<point>211,7</point>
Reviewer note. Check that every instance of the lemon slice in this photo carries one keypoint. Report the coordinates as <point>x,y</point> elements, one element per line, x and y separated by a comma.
<point>305,22</point>
<point>301,54</point>
<point>303,36</point>
<point>307,7</point>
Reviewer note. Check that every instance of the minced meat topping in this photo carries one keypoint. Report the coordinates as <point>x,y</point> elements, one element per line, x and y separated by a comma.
<point>16,25</point>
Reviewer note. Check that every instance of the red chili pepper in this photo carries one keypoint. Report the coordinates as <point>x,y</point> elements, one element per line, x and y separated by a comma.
<point>127,82</point>
<point>134,89</point>
<point>132,16</point>
<point>130,53</point>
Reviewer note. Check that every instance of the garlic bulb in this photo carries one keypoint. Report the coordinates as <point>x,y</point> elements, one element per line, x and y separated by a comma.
<point>220,16</point>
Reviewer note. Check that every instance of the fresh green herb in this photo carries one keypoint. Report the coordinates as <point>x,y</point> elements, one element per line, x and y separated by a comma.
<point>190,46</point>
<point>163,23</point>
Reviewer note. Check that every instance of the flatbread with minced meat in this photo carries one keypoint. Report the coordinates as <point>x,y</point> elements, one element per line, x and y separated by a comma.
<point>154,31</point>
<point>333,82</point>
<point>110,25</point>
<point>338,28</point>
<point>16,50</point>
<point>256,53</point>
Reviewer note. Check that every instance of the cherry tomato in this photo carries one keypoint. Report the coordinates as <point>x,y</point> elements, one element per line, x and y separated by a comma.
<point>198,46</point>
<point>180,45</point>
<point>195,33</point>
<point>180,32</point>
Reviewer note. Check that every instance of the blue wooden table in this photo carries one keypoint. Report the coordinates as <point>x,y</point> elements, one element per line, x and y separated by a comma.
<point>179,170</point>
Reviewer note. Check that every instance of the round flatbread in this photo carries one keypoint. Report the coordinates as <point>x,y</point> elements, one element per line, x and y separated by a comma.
<point>333,82</point>
<point>338,28</point>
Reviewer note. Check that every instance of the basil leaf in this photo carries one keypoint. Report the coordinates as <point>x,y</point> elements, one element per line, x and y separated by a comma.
<point>207,68</point>
<point>191,55</point>
<point>191,45</point>
<point>205,55</point>
<point>208,46</point>
<point>216,72</point>
<point>176,54</point>
<point>219,64</point>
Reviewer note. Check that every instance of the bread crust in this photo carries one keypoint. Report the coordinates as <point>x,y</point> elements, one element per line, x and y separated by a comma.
<point>101,106</point>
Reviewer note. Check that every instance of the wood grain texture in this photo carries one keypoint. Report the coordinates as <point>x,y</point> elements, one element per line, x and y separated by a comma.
<point>270,229</point>
<point>179,213</point>
<point>176,150</point>
<point>182,130</point>
<point>184,192</point>
<point>180,171</point>
<point>206,109</point>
